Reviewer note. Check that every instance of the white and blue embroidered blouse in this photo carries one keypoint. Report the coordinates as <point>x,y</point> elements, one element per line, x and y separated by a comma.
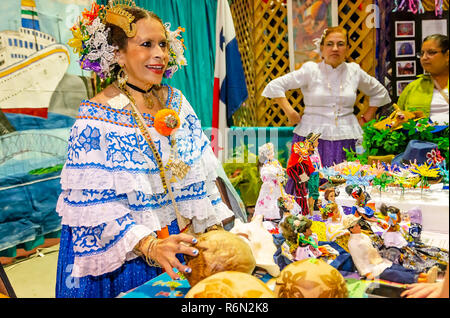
<point>112,192</point>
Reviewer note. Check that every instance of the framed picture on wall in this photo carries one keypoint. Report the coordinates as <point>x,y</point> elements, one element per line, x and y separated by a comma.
<point>307,19</point>
<point>430,27</point>
<point>406,68</point>
<point>405,48</point>
<point>407,33</point>
<point>405,29</point>
<point>401,86</point>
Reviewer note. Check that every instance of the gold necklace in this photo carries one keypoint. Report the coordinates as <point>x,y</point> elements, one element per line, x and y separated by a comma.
<point>184,224</point>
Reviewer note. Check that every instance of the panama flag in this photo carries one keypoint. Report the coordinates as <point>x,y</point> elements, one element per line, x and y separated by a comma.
<point>230,89</point>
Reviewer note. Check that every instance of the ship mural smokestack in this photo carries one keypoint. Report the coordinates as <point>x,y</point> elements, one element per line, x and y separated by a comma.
<point>30,18</point>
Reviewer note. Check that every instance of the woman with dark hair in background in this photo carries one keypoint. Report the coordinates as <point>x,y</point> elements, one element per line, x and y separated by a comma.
<point>429,93</point>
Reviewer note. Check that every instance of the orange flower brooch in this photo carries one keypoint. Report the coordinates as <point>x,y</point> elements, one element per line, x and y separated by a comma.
<point>166,121</point>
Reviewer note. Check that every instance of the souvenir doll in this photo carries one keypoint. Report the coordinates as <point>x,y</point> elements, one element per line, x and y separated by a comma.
<point>370,263</point>
<point>370,225</point>
<point>288,206</point>
<point>299,168</point>
<point>300,241</point>
<point>333,221</point>
<point>272,175</point>
<point>307,241</point>
<point>330,195</point>
<point>419,257</point>
<point>314,178</point>
<point>393,236</point>
<point>361,208</point>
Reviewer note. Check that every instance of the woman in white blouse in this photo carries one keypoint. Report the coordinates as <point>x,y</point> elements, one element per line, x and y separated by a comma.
<point>329,89</point>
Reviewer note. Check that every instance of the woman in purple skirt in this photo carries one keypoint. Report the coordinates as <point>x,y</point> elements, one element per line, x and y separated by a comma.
<point>329,89</point>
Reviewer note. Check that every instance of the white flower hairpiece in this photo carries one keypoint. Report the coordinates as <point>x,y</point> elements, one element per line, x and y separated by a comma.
<point>176,50</point>
<point>96,54</point>
<point>318,41</point>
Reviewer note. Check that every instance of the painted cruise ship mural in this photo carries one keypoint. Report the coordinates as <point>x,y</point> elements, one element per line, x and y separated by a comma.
<point>32,64</point>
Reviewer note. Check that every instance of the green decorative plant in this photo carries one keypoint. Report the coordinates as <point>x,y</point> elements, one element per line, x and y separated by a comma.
<point>242,171</point>
<point>385,142</point>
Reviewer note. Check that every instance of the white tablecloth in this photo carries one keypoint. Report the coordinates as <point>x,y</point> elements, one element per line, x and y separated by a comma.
<point>433,202</point>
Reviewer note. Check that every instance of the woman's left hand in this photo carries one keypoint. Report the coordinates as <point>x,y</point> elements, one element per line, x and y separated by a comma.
<point>164,252</point>
<point>361,121</point>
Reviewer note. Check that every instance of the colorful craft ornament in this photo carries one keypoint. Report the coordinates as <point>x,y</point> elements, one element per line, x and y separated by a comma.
<point>425,171</point>
<point>434,157</point>
<point>382,181</point>
<point>445,174</point>
<point>328,172</point>
<point>438,7</point>
<point>359,179</point>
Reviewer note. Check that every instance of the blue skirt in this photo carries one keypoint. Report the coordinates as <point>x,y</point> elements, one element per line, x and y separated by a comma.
<point>130,275</point>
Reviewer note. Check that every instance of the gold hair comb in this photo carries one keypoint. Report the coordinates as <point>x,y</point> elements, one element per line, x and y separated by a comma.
<point>115,14</point>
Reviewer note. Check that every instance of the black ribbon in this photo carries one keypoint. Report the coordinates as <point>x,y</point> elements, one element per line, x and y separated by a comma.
<point>140,90</point>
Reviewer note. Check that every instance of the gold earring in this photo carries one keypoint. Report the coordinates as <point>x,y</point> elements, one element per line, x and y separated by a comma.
<point>122,77</point>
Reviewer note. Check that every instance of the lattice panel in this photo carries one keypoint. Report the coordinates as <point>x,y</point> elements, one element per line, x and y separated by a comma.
<point>429,5</point>
<point>262,33</point>
<point>243,24</point>
<point>353,17</point>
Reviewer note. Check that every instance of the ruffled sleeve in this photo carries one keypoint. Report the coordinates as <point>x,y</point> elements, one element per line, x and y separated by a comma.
<point>94,202</point>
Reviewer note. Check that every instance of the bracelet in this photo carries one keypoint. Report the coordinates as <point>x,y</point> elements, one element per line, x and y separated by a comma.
<point>152,242</point>
<point>151,245</point>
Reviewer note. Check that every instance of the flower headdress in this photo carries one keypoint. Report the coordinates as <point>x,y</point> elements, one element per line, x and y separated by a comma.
<point>90,39</point>
<point>176,50</point>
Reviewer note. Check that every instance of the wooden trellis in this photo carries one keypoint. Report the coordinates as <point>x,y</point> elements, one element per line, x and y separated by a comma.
<point>262,34</point>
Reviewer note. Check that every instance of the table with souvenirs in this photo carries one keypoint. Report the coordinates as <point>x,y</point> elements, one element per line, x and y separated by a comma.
<point>401,210</point>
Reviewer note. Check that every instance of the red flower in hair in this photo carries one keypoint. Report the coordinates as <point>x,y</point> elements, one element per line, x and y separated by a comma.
<point>91,15</point>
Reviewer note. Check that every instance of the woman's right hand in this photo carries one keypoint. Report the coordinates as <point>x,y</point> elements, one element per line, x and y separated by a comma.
<point>423,290</point>
<point>293,117</point>
<point>165,250</point>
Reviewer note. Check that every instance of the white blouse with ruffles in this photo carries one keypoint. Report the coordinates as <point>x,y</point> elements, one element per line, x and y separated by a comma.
<point>112,194</point>
<point>329,97</point>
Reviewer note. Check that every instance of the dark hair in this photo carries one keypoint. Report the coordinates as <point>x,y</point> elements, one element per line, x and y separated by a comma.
<point>384,209</point>
<point>117,36</point>
<point>441,39</point>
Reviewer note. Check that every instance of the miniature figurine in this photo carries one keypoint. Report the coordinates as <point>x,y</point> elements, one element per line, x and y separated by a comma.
<point>371,265</point>
<point>300,240</point>
<point>272,175</point>
<point>314,178</point>
<point>333,220</point>
<point>300,168</point>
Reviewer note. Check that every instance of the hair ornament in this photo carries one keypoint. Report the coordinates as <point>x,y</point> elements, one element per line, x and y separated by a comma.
<point>90,38</point>
<point>90,41</point>
<point>115,14</point>
<point>176,50</point>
